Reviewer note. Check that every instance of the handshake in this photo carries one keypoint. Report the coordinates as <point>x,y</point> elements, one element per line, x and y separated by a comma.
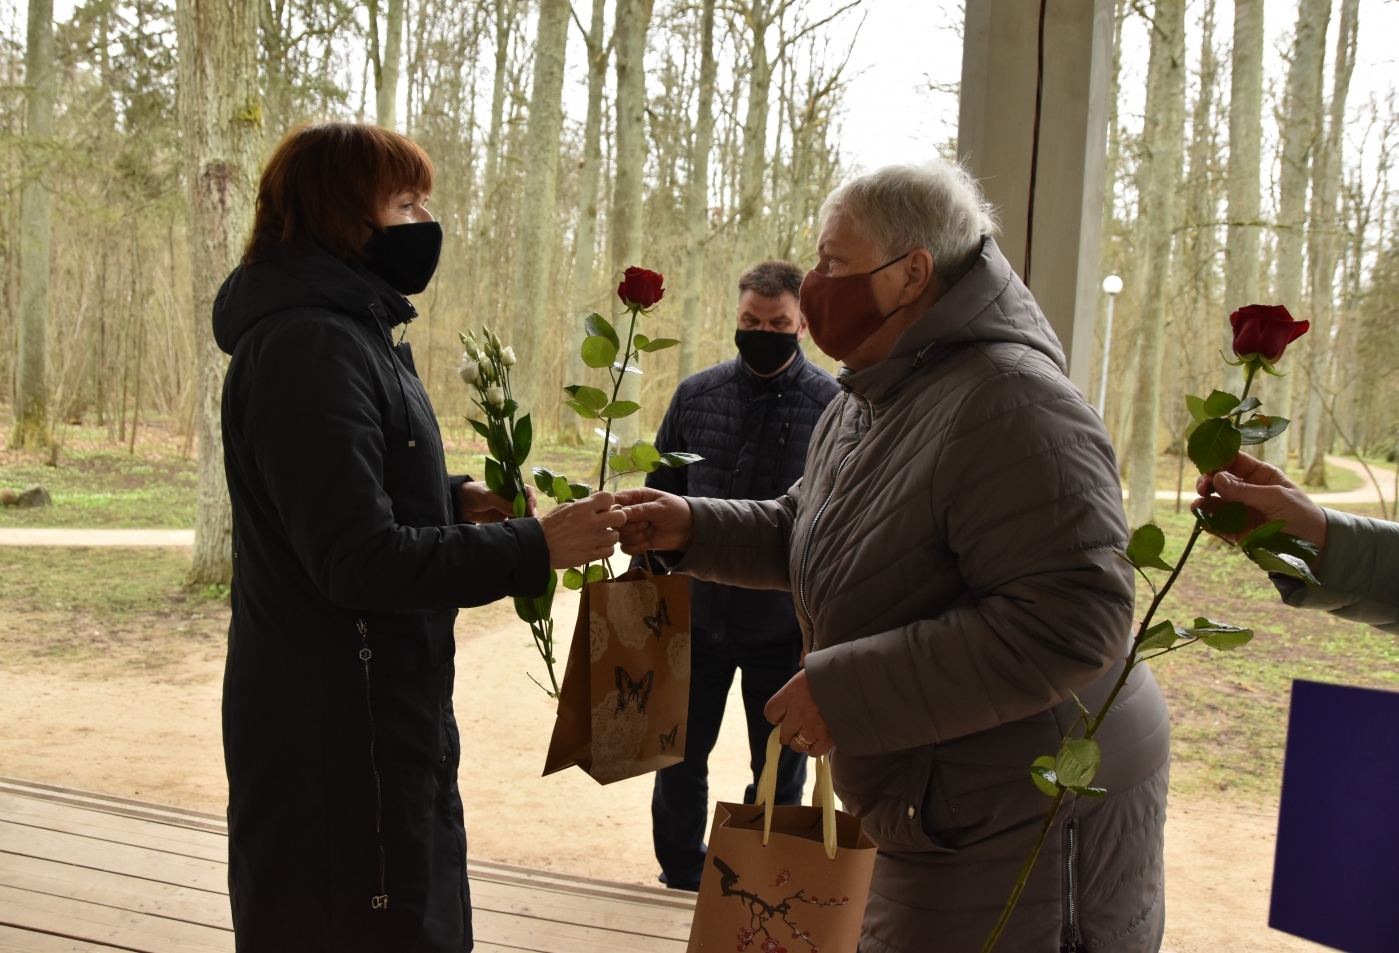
<point>587,530</point>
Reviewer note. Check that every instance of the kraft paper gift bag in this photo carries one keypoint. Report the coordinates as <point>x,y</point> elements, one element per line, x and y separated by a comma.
<point>626,688</point>
<point>781,879</point>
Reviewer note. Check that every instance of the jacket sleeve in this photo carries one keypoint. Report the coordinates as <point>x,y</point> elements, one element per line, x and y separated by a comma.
<point>313,422</point>
<point>1359,573</point>
<point>742,542</point>
<point>1026,495</point>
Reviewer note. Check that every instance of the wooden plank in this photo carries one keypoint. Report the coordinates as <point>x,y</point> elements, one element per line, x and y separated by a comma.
<point>175,816</point>
<point>544,936</point>
<point>562,907</point>
<point>587,886</point>
<point>112,827</point>
<point>138,862</point>
<point>116,890</point>
<point>123,929</point>
<point>26,941</point>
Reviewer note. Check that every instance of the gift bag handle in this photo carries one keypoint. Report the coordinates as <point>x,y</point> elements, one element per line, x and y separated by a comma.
<point>823,796</point>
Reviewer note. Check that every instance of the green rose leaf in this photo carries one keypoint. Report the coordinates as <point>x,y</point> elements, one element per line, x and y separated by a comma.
<point>675,460</point>
<point>1285,563</point>
<point>619,408</point>
<point>559,490</point>
<point>1261,533</point>
<point>544,478</point>
<point>589,397</point>
<point>1162,635</point>
<point>1260,429</point>
<point>598,352</point>
<point>524,439</point>
<point>585,412</point>
<point>1229,519</point>
<point>1196,406</point>
<point>1042,773</point>
<point>580,490</point>
<point>596,573</point>
<point>1144,549</point>
<point>621,463</point>
<point>1077,762</point>
<point>640,341</point>
<point>597,326</point>
<point>1090,792</point>
<point>480,428</point>
<point>1219,403</point>
<point>645,456</point>
<point>1219,635</point>
<point>1285,544</point>
<point>1247,404</point>
<point>572,579</point>
<point>1214,445</point>
<point>495,477</point>
<point>660,344</point>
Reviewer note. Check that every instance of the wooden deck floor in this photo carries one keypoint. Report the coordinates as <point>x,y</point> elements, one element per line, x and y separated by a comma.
<point>86,872</point>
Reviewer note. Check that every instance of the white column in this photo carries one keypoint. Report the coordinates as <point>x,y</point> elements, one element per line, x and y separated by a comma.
<point>1056,236</point>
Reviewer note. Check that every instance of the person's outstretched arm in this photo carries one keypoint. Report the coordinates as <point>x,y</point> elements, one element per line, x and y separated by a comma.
<point>1359,563</point>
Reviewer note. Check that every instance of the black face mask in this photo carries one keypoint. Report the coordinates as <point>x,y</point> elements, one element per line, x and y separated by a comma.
<point>765,351</point>
<point>405,255</point>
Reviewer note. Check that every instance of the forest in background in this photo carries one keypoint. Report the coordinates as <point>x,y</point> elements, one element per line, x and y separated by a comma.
<point>706,138</point>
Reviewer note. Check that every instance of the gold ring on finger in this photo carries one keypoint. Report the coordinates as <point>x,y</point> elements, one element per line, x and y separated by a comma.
<point>801,742</point>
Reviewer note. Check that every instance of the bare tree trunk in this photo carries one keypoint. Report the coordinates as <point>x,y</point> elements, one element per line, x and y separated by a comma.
<point>585,234</point>
<point>633,18</point>
<point>535,264</point>
<point>504,19</point>
<point>221,123</point>
<point>386,76</point>
<point>1245,164</point>
<point>31,378</point>
<point>1324,233</point>
<point>697,198</point>
<point>755,130</point>
<point>1162,136</point>
<point>1300,131</point>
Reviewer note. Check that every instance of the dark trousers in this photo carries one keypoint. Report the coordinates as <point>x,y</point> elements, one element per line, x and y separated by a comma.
<point>680,802</point>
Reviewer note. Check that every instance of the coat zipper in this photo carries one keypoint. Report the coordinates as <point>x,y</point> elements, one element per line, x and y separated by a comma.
<point>811,530</point>
<point>380,902</point>
<point>1073,940</point>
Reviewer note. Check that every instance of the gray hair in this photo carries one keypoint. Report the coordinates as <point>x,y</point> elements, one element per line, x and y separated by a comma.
<point>935,205</point>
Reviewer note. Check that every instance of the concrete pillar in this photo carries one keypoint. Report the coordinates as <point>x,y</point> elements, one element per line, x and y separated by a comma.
<point>1051,241</point>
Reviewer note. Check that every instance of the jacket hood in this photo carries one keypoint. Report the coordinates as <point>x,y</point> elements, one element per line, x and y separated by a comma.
<point>302,276</point>
<point>990,303</point>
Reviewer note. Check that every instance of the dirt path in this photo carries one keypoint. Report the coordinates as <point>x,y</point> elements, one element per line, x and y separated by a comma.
<point>156,736</point>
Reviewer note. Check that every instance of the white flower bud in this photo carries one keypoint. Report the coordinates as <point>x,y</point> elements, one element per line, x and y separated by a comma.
<point>507,357</point>
<point>495,396</point>
<point>487,370</point>
<point>470,371</point>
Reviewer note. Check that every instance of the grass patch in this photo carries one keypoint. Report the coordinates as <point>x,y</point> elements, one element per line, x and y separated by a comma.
<point>1229,709</point>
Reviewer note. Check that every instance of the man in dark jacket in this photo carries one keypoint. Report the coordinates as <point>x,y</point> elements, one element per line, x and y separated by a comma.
<point>750,419</point>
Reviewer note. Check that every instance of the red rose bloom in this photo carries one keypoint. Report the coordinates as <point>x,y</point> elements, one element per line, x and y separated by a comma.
<point>641,287</point>
<point>1265,330</point>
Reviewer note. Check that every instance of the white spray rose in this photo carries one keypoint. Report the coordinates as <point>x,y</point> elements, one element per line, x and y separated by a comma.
<point>507,357</point>
<point>470,371</point>
<point>495,396</point>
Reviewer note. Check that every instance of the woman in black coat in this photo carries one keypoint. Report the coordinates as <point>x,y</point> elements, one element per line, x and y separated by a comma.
<point>353,550</point>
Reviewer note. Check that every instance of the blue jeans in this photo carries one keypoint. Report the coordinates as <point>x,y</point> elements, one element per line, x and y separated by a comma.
<point>680,801</point>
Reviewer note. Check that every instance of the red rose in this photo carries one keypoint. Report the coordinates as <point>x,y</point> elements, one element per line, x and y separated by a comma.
<point>641,288</point>
<point>1265,330</point>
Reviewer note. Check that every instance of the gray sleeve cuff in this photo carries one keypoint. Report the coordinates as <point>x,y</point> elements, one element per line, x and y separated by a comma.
<point>1359,572</point>
<point>739,542</point>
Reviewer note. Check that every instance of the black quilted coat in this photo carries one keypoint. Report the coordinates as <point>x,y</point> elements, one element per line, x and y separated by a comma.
<point>345,824</point>
<point>752,434</point>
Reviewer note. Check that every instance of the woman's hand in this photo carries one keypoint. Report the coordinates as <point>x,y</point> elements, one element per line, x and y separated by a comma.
<point>583,531</point>
<point>655,520</point>
<point>478,504</point>
<point>1268,494</point>
<point>794,708</point>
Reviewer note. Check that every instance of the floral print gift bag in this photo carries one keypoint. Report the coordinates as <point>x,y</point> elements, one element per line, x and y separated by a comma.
<point>626,688</point>
<point>783,879</point>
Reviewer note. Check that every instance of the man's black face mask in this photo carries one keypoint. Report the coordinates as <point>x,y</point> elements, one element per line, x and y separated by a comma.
<point>765,351</point>
<point>405,255</point>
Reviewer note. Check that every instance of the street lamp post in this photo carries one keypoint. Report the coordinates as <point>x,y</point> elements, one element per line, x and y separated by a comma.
<point>1112,287</point>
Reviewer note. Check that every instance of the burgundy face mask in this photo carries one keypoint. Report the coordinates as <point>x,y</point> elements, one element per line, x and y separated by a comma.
<point>842,312</point>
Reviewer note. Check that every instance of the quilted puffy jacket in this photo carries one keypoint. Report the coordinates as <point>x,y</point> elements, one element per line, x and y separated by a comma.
<point>951,547</point>
<point>753,435</point>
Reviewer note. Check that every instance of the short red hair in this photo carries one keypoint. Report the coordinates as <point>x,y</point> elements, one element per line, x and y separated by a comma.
<point>327,183</point>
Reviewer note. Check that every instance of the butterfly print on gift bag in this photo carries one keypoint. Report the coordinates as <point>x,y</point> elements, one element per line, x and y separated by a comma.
<point>626,687</point>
